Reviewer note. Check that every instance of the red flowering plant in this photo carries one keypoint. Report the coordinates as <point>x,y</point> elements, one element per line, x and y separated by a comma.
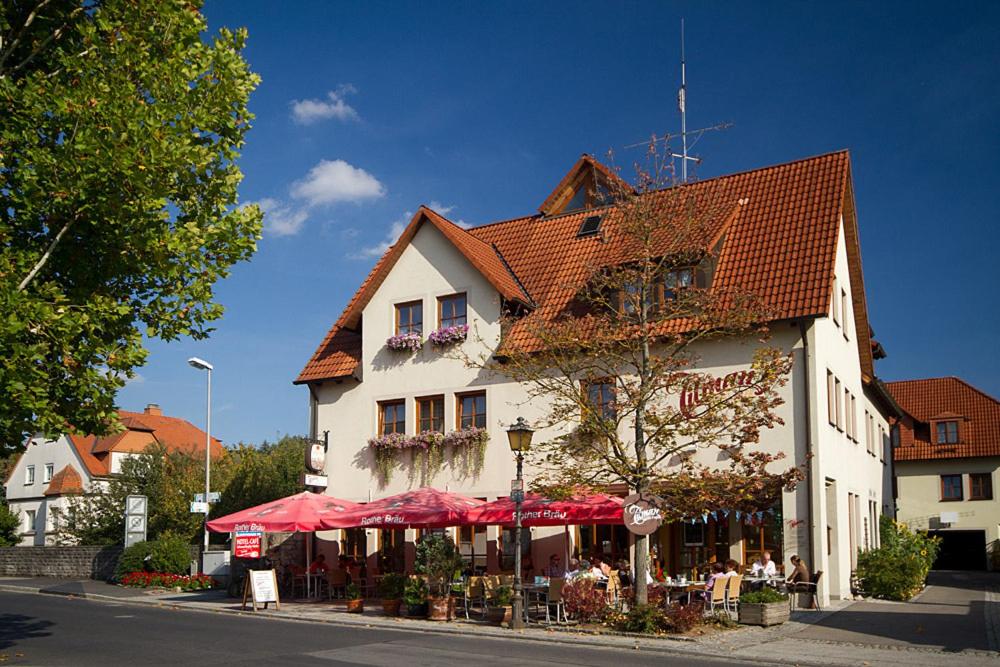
<point>584,600</point>
<point>193,582</point>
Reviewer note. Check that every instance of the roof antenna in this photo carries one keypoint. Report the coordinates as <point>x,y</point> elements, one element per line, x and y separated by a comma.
<point>682,105</point>
<point>695,134</point>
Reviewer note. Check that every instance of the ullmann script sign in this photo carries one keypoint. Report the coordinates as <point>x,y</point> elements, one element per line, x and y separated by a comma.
<point>641,516</point>
<point>261,586</point>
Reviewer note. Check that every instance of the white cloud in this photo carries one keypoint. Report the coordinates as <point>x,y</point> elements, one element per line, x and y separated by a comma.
<point>444,210</point>
<point>333,181</point>
<point>379,249</point>
<point>306,112</point>
<point>135,379</point>
<point>397,228</point>
<point>281,218</point>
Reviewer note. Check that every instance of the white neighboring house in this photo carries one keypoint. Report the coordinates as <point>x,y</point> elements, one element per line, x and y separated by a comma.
<point>790,234</point>
<point>51,470</point>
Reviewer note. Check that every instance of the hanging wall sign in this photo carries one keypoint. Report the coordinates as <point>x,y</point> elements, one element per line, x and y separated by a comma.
<point>642,517</point>
<point>315,456</point>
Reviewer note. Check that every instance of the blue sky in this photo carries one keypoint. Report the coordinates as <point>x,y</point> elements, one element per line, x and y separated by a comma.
<point>366,110</point>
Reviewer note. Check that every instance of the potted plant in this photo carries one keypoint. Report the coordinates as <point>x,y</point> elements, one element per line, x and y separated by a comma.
<point>415,597</point>
<point>405,342</point>
<point>390,589</point>
<point>355,603</point>
<point>500,605</point>
<point>438,558</point>
<point>764,607</point>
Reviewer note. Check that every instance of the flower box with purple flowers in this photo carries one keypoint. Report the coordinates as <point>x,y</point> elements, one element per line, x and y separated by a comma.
<point>405,341</point>
<point>449,335</point>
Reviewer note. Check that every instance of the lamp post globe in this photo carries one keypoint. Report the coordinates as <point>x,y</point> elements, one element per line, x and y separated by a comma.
<point>519,436</point>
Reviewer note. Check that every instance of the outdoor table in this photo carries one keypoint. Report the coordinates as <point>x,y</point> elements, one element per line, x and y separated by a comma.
<point>753,582</point>
<point>686,588</point>
<point>313,587</point>
<point>539,591</point>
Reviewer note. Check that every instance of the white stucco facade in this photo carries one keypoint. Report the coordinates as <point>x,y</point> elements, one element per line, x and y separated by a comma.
<point>37,512</point>
<point>830,515</point>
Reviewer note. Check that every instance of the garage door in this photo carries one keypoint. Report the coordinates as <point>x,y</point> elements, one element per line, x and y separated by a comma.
<point>961,550</point>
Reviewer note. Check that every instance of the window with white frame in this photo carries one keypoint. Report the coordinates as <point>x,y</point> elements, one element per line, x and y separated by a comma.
<point>831,399</point>
<point>837,391</point>
<point>843,310</point>
<point>835,303</point>
<point>47,473</point>
<point>29,521</point>
<point>29,475</point>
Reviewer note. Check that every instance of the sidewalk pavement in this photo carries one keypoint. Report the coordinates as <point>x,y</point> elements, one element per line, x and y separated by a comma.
<point>955,618</point>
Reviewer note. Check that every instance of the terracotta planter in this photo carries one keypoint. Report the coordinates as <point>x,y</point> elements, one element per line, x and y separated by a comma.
<point>499,615</point>
<point>355,606</point>
<point>771,613</point>
<point>391,607</point>
<point>441,609</point>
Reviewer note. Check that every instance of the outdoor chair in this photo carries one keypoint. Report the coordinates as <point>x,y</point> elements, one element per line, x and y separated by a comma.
<point>810,588</point>
<point>475,593</point>
<point>733,587</point>
<point>614,590</point>
<point>718,597</point>
<point>336,581</point>
<point>298,579</point>
<point>554,599</point>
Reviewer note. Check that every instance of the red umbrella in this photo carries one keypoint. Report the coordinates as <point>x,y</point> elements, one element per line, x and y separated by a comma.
<point>537,510</point>
<point>302,512</point>
<point>422,508</point>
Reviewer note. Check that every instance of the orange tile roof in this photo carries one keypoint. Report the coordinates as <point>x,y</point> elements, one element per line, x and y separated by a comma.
<point>781,227</point>
<point>64,482</point>
<point>925,400</point>
<point>84,445</point>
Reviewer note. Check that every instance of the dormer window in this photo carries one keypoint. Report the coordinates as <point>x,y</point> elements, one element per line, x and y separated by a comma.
<point>675,281</point>
<point>410,317</point>
<point>946,432</point>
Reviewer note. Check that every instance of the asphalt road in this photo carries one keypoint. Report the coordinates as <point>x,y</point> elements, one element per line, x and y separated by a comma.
<point>52,630</point>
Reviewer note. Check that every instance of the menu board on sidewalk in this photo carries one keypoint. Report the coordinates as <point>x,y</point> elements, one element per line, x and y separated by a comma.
<point>261,586</point>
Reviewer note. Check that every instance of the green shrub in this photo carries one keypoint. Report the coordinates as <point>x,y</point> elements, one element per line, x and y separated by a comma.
<point>415,592</point>
<point>502,596</point>
<point>170,553</point>
<point>391,587</point>
<point>643,618</point>
<point>897,569</point>
<point>133,559</point>
<point>765,595</point>
<point>438,558</point>
<point>353,592</point>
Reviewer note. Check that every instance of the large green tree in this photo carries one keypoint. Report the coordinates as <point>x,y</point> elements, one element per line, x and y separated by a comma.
<point>121,123</point>
<point>262,474</point>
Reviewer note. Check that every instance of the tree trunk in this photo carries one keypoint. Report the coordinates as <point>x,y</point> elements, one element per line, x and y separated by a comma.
<point>641,568</point>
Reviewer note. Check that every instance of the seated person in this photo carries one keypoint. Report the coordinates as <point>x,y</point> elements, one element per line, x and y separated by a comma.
<point>554,568</point>
<point>732,568</point>
<point>764,566</point>
<point>597,568</point>
<point>318,566</point>
<point>625,574</point>
<point>800,575</point>
<point>718,572</point>
<point>573,569</point>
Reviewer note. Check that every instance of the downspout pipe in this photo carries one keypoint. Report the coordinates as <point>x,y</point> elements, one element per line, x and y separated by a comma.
<point>810,475</point>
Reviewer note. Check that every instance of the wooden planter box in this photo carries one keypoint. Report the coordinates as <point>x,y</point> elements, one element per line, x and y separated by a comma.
<point>772,613</point>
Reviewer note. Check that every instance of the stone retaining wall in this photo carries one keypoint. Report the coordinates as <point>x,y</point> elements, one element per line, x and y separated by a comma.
<point>65,562</point>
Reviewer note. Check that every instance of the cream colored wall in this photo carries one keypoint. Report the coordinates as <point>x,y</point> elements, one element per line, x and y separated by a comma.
<point>920,505</point>
<point>22,497</point>
<point>430,267</point>
<point>841,466</point>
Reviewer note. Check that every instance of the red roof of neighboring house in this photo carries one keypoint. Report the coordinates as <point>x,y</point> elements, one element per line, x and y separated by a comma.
<point>64,482</point>
<point>781,227</point>
<point>951,399</point>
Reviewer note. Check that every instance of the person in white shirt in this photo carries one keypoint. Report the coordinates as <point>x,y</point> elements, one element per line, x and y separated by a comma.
<point>574,569</point>
<point>764,566</point>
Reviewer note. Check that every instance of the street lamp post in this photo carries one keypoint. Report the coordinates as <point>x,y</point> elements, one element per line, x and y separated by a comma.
<point>519,436</point>
<point>203,365</point>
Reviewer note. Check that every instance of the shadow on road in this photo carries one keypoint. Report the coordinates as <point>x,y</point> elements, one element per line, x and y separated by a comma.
<point>15,627</point>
